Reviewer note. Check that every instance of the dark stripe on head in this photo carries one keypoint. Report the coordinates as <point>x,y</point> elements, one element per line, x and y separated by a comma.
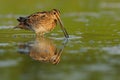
<point>56,11</point>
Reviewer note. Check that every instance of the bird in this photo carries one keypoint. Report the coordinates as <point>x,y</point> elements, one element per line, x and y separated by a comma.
<point>42,22</point>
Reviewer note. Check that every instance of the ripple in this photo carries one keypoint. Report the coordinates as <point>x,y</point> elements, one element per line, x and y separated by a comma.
<point>111,13</point>
<point>115,61</point>
<point>73,51</point>
<point>28,35</point>
<point>97,67</point>
<point>11,15</point>
<point>6,27</point>
<point>81,20</point>
<point>92,14</point>
<point>8,63</point>
<point>75,37</point>
<point>115,50</point>
<point>2,51</point>
<point>110,5</point>
<point>4,44</point>
<point>83,14</point>
<point>83,50</point>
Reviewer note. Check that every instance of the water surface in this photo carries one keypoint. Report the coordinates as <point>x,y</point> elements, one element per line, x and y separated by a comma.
<point>91,53</point>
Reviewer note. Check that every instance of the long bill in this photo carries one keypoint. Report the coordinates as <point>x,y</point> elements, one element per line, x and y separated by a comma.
<point>62,27</point>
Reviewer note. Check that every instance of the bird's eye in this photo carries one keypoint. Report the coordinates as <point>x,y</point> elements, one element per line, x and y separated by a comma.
<point>54,60</point>
<point>54,12</point>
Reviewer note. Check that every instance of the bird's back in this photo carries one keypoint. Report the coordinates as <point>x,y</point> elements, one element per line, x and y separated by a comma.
<point>38,22</point>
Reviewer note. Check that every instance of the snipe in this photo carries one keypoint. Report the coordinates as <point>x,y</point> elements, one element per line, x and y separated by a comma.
<point>42,22</point>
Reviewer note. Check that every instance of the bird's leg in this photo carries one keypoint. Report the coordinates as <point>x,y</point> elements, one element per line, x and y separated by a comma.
<point>37,34</point>
<point>40,34</point>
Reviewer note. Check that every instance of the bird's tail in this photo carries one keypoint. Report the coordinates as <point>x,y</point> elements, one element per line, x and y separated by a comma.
<point>22,19</point>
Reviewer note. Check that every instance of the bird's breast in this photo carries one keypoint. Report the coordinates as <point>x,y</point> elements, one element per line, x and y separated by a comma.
<point>44,26</point>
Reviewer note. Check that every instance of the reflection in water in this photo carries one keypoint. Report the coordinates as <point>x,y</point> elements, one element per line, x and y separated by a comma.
<point>42,49</point>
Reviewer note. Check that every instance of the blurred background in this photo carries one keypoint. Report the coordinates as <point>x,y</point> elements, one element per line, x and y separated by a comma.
<point>91,53</point>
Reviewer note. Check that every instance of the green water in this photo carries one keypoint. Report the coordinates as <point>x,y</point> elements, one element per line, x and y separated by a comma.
<point>91,53</point>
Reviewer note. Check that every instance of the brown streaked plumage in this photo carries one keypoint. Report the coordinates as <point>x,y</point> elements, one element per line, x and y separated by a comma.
<point>42,22</point>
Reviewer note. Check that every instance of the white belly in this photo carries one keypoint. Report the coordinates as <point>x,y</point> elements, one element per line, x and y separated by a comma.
<point>40,30</point>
